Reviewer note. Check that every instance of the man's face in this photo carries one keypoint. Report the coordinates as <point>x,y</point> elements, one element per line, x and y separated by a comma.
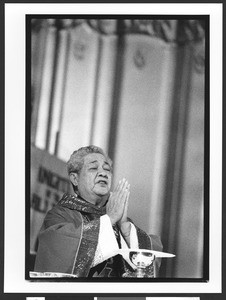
<point>94,179</point>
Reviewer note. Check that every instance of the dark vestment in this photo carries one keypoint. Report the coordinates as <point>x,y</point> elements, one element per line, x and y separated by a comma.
<point>68,240</point>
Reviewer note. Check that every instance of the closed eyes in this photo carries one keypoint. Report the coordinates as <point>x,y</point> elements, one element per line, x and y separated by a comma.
<point>105,168</point>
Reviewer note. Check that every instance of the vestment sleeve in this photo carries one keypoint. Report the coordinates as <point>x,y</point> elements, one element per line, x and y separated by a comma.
<point>133,243</point>
<point>140,239</point>
<point>151,242</point>
<point>66,243</point>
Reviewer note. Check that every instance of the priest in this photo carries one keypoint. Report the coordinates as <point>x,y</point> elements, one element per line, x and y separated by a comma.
<point>82,234</point>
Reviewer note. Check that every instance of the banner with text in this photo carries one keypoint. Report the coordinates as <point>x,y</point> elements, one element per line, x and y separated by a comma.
<point>49,181</point>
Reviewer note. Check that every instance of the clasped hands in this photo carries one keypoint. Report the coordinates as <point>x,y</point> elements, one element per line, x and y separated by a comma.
<point>117,207</point>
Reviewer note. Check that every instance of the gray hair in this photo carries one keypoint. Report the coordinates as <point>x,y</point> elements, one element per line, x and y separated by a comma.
<point>76,160</point>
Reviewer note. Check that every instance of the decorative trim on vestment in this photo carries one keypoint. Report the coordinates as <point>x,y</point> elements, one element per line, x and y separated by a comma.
<point>87,247</point>
<point>78,203</point>
<point>90,231</point>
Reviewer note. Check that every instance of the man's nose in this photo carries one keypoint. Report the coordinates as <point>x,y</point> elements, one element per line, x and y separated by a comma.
<point>103,173</point>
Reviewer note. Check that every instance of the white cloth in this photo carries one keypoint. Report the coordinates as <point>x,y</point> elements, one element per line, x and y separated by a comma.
<point>107,244</point>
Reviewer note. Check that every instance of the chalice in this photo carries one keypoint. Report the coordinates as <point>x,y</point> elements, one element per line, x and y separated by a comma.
<point>142,259</point>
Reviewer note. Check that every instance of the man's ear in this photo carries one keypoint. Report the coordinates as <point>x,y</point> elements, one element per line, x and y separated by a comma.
<point>74,178</point>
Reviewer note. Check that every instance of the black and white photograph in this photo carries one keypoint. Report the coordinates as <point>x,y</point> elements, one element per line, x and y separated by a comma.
<point>118,147</point>
<point>118,131</point>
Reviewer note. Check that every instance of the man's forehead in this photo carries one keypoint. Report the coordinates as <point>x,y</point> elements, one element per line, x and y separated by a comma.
<point>95,157</point>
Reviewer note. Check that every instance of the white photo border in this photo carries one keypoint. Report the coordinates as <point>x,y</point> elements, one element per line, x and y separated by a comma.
<point>15,108</point>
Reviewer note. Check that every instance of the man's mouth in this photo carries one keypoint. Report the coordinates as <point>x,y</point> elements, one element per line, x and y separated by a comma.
<point>102,181</point>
